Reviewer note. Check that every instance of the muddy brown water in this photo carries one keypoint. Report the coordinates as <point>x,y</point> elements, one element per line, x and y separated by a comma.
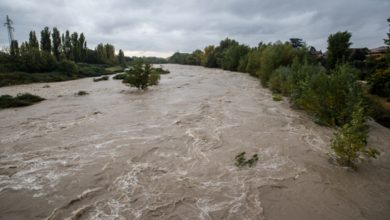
<point>168,153</point>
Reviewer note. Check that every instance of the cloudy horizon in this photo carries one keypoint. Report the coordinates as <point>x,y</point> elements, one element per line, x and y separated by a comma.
<point>160,28</point>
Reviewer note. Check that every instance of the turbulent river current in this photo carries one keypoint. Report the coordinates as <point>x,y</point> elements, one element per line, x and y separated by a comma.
<point>168,153</point>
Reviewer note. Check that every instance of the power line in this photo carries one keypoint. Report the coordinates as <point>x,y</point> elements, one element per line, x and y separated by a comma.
<point>10,29</point>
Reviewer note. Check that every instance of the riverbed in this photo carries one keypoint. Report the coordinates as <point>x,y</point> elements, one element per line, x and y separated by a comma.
<point>169,153</point>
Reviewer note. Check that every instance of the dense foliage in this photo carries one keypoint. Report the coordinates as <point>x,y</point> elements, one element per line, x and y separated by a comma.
<point>349,143</point>
<point>26,99</point>
<point>338,48</point>
<point>141,75</point>
<point>55,57</point>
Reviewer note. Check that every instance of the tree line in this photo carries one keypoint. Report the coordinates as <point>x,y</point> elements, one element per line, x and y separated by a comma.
<point>324,85</point>
<point>54,50</point>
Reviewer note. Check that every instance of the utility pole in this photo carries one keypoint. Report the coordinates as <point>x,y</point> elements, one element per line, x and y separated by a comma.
<point>10,29</point>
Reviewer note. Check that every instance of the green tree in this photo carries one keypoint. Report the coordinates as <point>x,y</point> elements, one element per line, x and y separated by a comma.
<point>232,55</point>
<point>101,54</point>
<point>110,52</point>
<point>272,57</point>
<point>254,59</point>
<point>350,141</point>
<point>83,47</point>
<point>67,45</point>
<point>139,75</point>
<point>196,57</point>
<point>75,49</point>
<point>14,50</point>
<point>338,48</point>
<point>220,51</point>
<point>56,43</point>
<point>121,58</point>
<point>297,42</point>
<point>33,42</point>
<point>209,59</point>
<point>45,40</point>
<point>387,41</point>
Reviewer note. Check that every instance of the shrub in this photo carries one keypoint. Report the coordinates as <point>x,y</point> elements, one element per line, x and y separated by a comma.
<point>120,76</point>
<point>26,99</point>
<point>154,79</point>
<point>88,70</point>
<point>68,67</point>
<point>349,143</point>
<point>272,57</point>
<point>281,81</point>
<point>277,97</point>
<point>103,78</point>
<point>330,98</point>
<point>160,70</point>
<point>81,93</point>
<point>380,83</point>
<point>139,75</point>
<point>241,161</point>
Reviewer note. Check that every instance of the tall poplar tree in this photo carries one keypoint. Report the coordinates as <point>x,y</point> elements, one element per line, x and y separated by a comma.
<point>56,43</point>
<point>74,38</point>
<point>33,42</point>
<point>45,40</point>
<point>67,45</point>
<point>83,47</point>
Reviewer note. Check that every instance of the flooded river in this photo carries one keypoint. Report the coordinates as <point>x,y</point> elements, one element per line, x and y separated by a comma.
<point>168,153</point>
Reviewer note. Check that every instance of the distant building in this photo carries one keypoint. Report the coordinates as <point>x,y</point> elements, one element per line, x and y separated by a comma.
<point>378,52</point>
<point>315,53</point>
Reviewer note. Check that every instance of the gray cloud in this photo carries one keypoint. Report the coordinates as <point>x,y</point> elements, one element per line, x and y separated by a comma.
<point>165,26</point>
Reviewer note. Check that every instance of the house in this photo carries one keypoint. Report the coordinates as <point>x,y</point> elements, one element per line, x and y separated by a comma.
<point>378,52</point>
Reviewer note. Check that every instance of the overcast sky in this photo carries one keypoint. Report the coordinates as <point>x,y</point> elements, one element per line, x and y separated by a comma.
<point>158,27</point>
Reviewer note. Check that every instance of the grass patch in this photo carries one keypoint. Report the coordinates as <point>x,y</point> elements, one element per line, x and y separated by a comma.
<point>277,97</point>
<point>103,78</point>
<point>241,161</point>
<point>81,93</point>
<point>114,69</point>
<point>25,99</point>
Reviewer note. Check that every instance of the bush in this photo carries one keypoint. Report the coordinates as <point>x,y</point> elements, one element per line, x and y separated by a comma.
<point>380,83</point>
<point>120,76</point>
<point>103,78</point>
<point>87,70</point>
<point>277,97</point>
<point>160,70</point>
<point>349,143</point>
<point>154,79</point>
<point>142,75</point>
<point>139,75</point>
<point>281,81</point>
<point>81,93</point>
<point>26,99</point>
<point>68,67</point>
<point>330,98</point>
<point>242,161</point>
<point>272,57</point>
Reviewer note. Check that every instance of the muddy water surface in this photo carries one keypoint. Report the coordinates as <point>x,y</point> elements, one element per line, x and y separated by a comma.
<point>168,153</point>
